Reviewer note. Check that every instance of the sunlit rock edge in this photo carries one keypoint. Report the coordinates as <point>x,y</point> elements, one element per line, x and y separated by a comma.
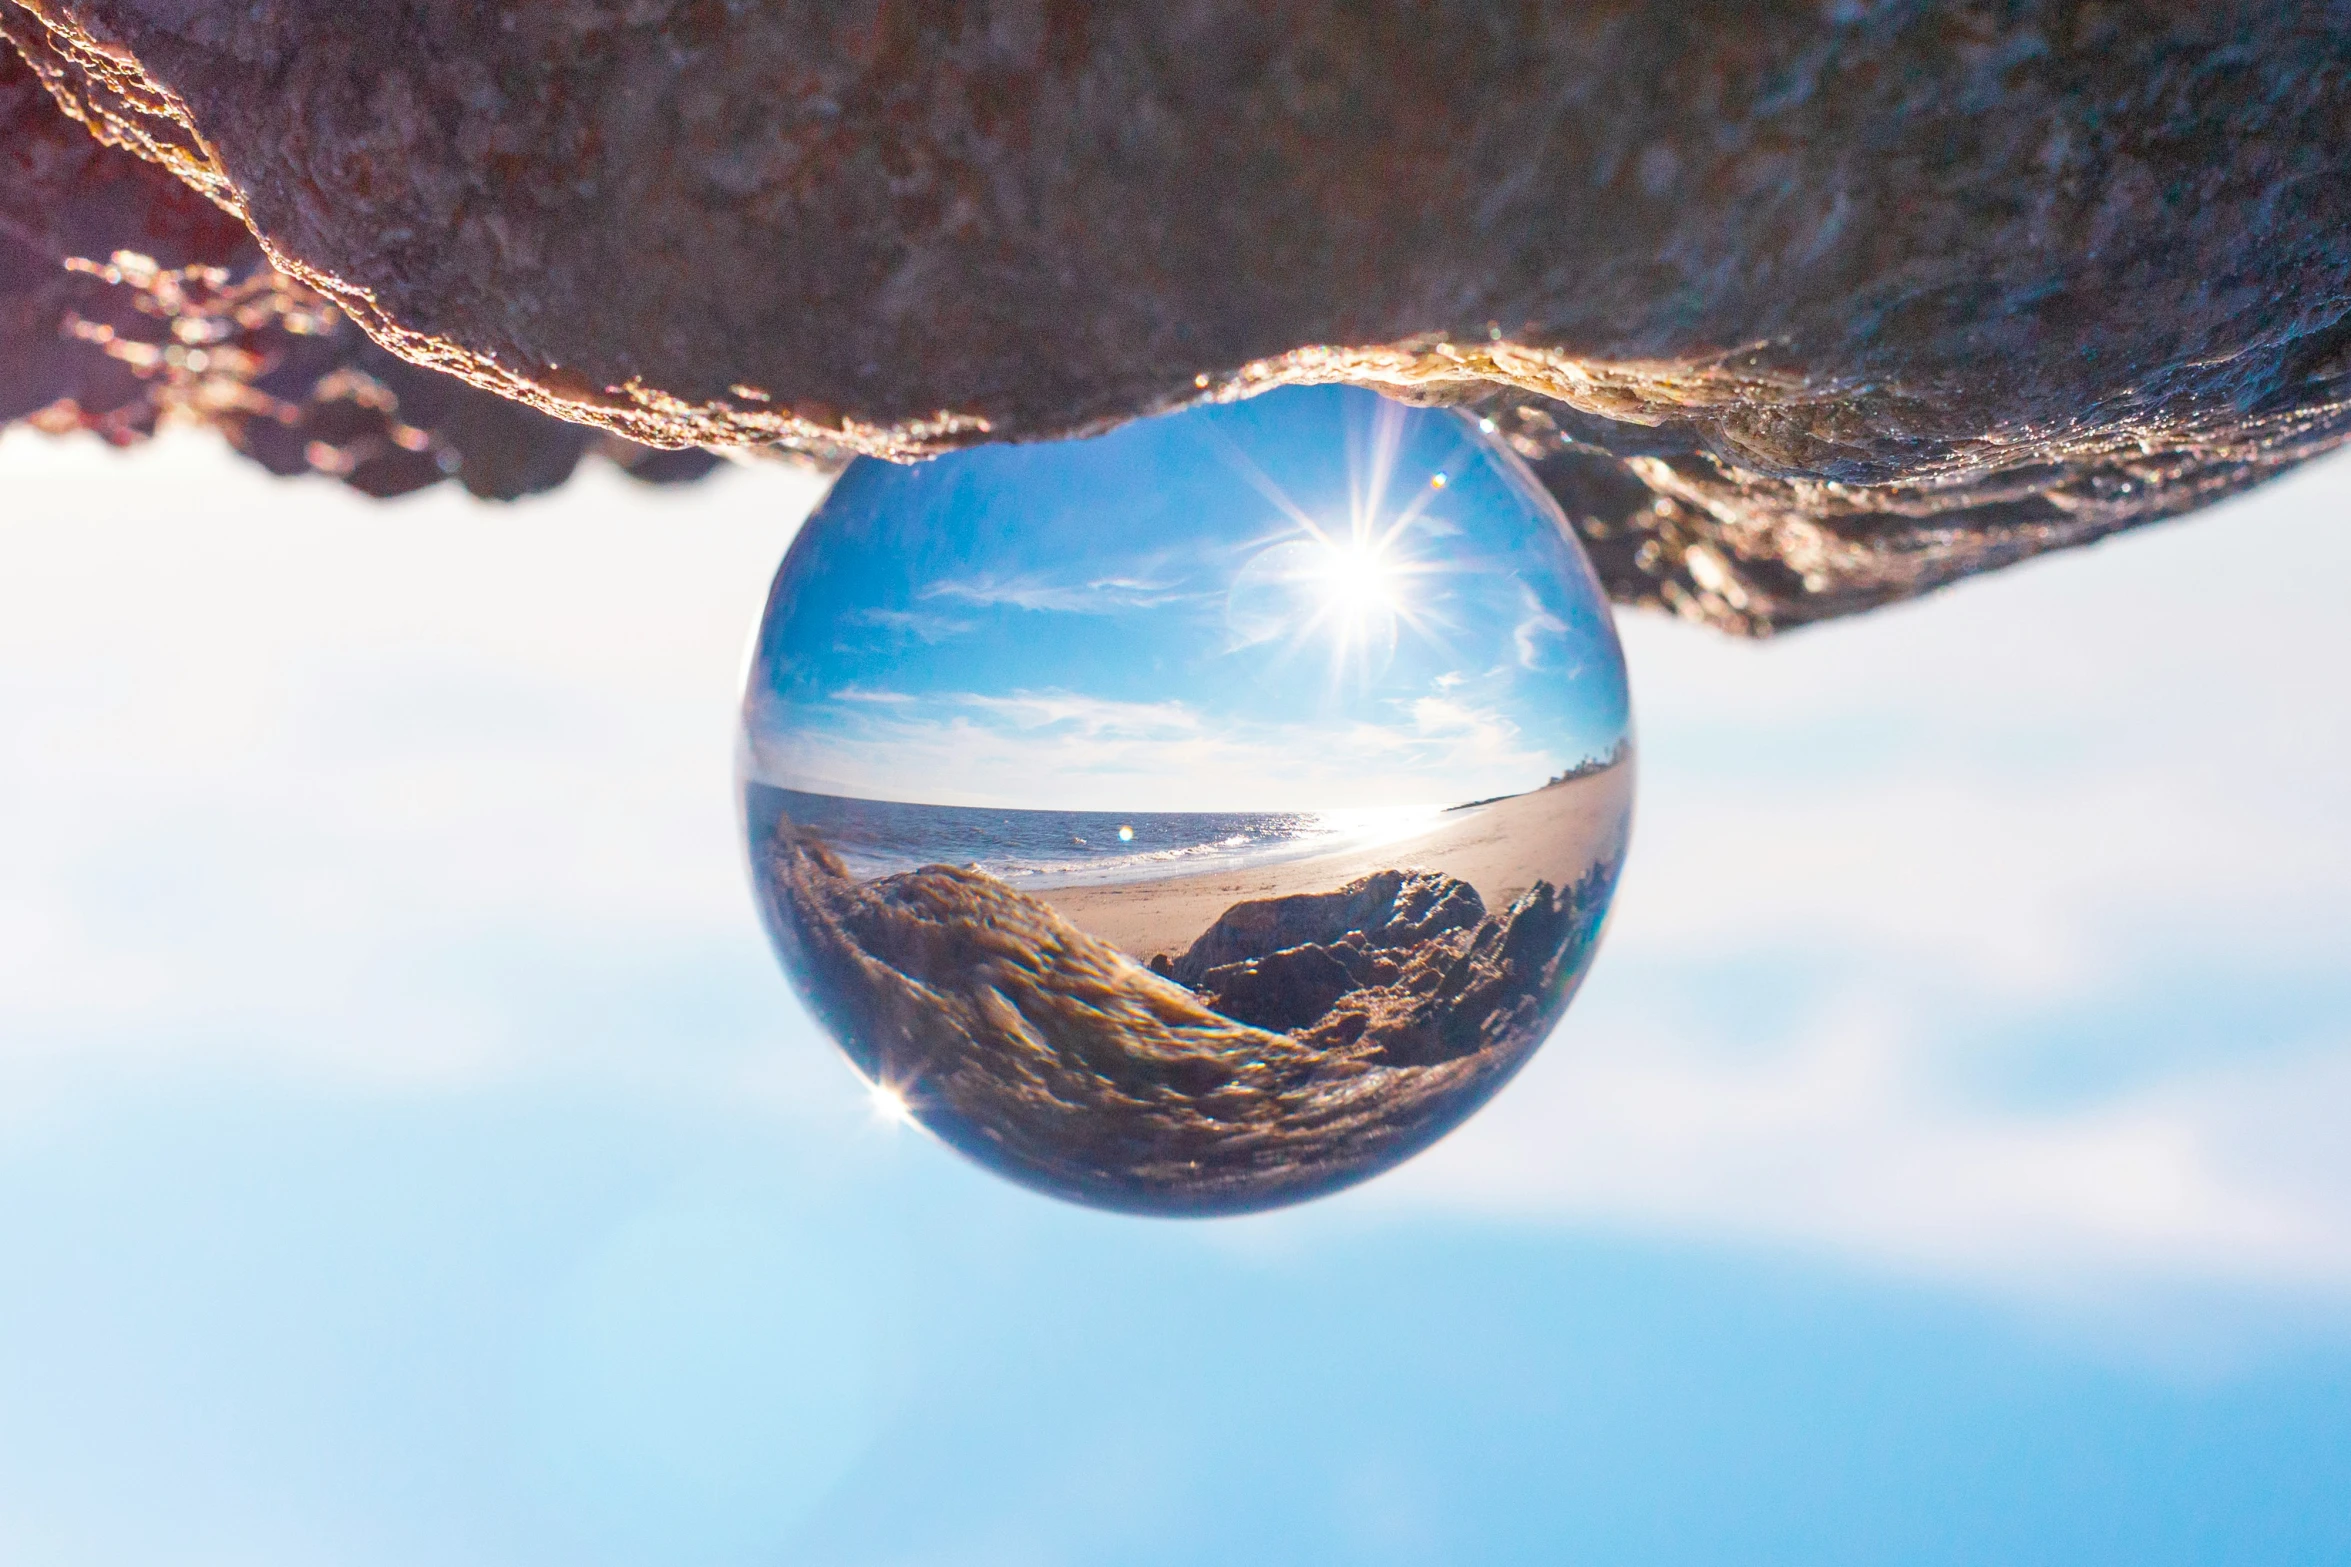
<point>1854,302</point>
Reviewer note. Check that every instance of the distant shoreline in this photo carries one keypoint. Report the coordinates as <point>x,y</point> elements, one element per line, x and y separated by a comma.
<point>1556,833</point>
<point>1582,770</point>
<point>1496,799</point>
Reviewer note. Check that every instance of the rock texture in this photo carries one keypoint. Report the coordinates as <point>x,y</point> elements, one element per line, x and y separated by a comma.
<point>1407,962</point>
<point>1800,307</point>
<point>127,298</point>
<point>1059,1061</point>
<point>1391,909</point>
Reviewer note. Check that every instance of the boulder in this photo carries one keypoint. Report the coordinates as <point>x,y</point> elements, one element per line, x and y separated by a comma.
<point>1281,991</point>
<point>1386,909</point>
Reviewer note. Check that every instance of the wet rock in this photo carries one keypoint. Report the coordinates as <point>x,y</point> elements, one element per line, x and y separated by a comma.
<point>1800,308</point>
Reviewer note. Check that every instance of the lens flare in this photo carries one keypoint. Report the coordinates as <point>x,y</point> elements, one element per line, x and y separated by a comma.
<point>890,1105</point>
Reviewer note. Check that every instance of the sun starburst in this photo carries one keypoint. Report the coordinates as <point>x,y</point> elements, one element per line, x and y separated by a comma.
<point>1352,582</point>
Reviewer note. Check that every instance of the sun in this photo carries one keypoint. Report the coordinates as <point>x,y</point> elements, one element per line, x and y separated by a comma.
<point>1354,587</point>
<point>1348,575</point>
<point>1349,587</point>
<point>1355,579</point>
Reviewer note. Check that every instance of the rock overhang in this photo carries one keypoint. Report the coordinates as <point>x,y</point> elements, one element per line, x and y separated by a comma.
<point>1798,310</point>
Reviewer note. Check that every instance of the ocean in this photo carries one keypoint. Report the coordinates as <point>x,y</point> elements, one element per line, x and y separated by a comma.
<point>1039,849</point>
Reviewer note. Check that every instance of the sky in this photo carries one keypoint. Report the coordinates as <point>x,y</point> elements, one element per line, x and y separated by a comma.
<point>1316,599</point>
<point>409,1150</point>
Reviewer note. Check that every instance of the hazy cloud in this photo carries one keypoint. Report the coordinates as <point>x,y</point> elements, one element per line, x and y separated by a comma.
<point>1061,750</point>
<point>1538,632</point>
<point>1891,878</point>
<point>1938,930</point>
<point>1084,715</point>
<point>922,625</point>
<point>1842,1134</point>
<point>1036,591</point>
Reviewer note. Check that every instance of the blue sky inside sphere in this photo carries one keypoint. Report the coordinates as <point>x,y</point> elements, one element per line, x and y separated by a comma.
<point>1317,599</point>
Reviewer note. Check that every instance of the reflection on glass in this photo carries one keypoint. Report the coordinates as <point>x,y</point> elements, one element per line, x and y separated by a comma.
<point>1198,818</point>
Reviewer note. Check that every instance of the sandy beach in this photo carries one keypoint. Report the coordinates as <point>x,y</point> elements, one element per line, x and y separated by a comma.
<point>1555,833</point>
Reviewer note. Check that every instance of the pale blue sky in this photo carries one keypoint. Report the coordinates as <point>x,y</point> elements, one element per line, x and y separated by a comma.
<point>409,1151</point>
<point>1313,599</point>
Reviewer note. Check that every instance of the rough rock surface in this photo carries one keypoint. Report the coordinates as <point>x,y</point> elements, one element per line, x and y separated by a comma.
<point>1058,1060</point>
<point>126,297</point>
<point>1408,962</point>
<point>1387,909</point>
<point>1801,307</point>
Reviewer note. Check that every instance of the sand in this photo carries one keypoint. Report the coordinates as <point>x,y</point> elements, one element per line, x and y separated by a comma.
<point>1555,833</point>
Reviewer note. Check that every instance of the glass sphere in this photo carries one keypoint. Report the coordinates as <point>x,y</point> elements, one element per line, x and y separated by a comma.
<point>1196,818</point>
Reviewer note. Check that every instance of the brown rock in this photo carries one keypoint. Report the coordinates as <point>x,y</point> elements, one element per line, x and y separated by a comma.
<point>1801,307</point>
<point>1053,1058</point>
<point>1281,991</point>
<point>1386,909</point>
<point>126,298</point>
<point>1470,990</point>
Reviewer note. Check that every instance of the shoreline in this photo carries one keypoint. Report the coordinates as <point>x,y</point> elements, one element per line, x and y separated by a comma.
<point>1499,847</point>
<point>1051,885</point>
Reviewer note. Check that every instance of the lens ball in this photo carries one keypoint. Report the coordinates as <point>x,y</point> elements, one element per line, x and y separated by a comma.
<point>1197,818</point>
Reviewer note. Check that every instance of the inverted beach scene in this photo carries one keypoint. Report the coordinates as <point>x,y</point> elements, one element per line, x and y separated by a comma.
<point>1195,819</point>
